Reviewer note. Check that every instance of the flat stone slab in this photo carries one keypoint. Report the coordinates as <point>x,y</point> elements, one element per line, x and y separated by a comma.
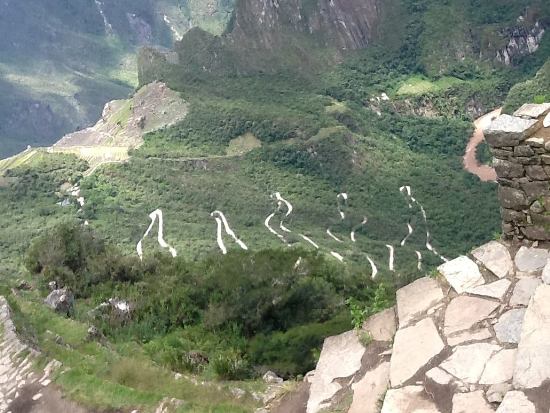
<point>508,327</point>
<point>497,289</point>
<point>468,362</point>
<point>508,130</point>
<point>462,273</point>
<point>416,298</point>
<point>413,349</point>
<point>382,326</point>
<point>496,258</point>
<point>464,312</point>
<point>478,335</point>
<point>368,391</point>
<point>524,290</point>
<point>531,259</point>
<point>410,399</point>
<point>546,121</point>
<point>516,402</point>
<point>340,357</point>
<point>471,402</point>
<point>500,368</point>
<point>533,359</point>
<point>439,376</point>
<point>533,110</point>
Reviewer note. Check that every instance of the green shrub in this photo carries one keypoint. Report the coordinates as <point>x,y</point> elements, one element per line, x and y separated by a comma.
<point>230,365</point>
<point>295,351</point>
<point>365,338</point>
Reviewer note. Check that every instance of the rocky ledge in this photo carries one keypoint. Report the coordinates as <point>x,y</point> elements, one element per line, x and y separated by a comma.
<point>475,339</point>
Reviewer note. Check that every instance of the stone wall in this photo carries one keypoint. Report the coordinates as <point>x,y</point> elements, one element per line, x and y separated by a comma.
<point>521,148</point>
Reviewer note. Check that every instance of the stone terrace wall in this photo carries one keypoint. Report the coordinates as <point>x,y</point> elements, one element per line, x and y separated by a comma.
<point>521,148</point>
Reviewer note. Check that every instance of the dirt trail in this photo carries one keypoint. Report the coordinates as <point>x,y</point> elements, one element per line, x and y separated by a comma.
<point>471,164</point>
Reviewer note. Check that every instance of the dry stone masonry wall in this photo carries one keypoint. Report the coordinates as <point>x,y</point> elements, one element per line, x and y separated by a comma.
<point>521,148</point>
<point>21,386</point>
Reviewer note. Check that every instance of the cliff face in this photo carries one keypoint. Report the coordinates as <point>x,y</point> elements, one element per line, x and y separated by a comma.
<point>345,24</point>
<point>522,41</point>
<point>267,35</point>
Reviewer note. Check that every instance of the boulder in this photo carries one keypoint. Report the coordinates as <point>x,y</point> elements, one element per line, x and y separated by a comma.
<point>464,312</point>
<point>414,347</point>
<point>462,273</point>
<point>410,399</point>
<point>536,232</point>
<point>523,150</point>
<point>368,391</point>
<point>500,368</point>
<point>471,402</point>
<point>468,362</point>
<point>381,326</point>
<point>497,289</point>
<point>509,215</point>
<point>271,378</point>
<point>524,290</point>
<point>536,172</point>
<point>507,169</point>
<point>23,285</point>
<point>509,130</point>
<point>534,190</point>
<point>536,207</point>
<point>496,258</point>
<point>416,298</point>
<point>533,110</point>
<point>93,334</point>
<point>508,327</point>
<point>340,357</point>
<point>516,402</point>
<point>532,366</point>
<point>512,198</point>
<point>531,259</point>
<point>61,300</point>
<point>121,311</point>
<point>169,405</point>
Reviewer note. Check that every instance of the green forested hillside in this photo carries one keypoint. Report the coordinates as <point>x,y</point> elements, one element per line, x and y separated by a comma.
<point>365,123</point>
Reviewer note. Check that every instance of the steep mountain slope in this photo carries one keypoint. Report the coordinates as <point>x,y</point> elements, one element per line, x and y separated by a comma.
<point>61,61</point>
<point>442,38</point>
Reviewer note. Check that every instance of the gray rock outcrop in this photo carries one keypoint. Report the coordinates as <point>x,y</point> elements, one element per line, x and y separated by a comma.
<point>61,301</point>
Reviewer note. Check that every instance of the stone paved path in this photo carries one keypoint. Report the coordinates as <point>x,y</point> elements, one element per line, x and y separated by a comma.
<point>475,339</point>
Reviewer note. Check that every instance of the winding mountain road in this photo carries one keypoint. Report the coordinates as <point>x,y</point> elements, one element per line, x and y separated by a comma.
<point>471,164</point>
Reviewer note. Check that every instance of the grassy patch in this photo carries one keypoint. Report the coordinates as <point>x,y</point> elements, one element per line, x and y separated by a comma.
<point>243,144</point>
<point>417,85</point>
<point>105,377</point>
